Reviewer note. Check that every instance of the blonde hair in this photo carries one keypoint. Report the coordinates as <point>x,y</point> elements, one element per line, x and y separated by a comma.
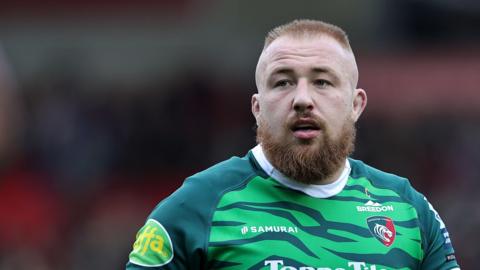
<point>307,28</point>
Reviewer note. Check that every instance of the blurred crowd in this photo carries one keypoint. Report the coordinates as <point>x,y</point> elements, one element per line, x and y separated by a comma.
<point>84,161</point>
<point>81,168</point>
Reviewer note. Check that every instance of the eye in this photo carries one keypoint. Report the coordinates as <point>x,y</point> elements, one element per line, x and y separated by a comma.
<point>321,83</point>
<point>283,83</point>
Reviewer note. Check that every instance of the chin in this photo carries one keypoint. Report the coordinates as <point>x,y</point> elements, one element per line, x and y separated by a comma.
<point>306,146</point>
<point>317,141</point>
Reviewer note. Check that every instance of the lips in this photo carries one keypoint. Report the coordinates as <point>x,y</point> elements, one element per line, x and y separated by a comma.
<point>305,129</point>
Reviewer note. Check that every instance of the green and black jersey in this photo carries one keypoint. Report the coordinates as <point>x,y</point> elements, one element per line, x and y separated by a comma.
<point>243,214</point>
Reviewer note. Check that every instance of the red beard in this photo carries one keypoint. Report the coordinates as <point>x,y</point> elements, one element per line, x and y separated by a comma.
<point>308,163</point>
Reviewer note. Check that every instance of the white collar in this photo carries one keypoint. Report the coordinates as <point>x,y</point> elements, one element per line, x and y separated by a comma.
<point>317,191</point>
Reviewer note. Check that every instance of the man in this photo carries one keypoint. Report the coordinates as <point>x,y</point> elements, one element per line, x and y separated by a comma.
<point>296,201</point>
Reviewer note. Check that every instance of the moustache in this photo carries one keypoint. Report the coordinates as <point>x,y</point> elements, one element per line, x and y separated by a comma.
<point>306,121</point>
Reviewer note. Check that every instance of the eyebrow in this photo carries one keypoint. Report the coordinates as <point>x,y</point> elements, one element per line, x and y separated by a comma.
<point>322,70</point>
<point>315,69</point>
<point>325,70</point>
<point>282,70</point>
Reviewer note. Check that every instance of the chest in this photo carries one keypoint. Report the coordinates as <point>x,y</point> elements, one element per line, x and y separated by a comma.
<point>287,232</point>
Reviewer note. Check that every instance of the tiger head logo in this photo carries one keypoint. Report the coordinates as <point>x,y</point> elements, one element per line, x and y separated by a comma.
<point>383,229</point>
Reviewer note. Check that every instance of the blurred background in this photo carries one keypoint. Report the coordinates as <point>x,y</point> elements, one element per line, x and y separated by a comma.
<point>106,106</point>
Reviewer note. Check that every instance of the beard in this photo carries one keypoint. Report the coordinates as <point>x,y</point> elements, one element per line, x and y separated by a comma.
<point>308,162</point>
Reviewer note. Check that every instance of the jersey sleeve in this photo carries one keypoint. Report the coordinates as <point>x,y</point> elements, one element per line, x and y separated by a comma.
<point>174,235</point>
<point>438,249</point>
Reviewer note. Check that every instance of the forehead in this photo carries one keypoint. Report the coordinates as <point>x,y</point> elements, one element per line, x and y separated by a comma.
<point>307,52</point>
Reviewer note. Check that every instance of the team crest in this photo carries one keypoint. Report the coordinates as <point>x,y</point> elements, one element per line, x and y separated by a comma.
<point>153,246</point>
<point>383,229</point>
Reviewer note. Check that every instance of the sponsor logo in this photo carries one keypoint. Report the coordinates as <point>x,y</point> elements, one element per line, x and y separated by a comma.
<point>153,246</point>
<point>374,207</point>
<point>264,229</point>
<point>383,229</point>
<point>450,257</point>
<point>279,265</point>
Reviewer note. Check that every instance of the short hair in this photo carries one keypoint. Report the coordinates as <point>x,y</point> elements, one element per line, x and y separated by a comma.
<point>307,28</point>
<point>304,28</point>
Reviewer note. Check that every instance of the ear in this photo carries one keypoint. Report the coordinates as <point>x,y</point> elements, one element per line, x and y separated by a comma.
<point>255,107</point>
<point>359,103</point>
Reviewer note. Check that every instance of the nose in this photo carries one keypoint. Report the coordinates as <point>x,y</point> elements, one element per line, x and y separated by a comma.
<point>302,100</point>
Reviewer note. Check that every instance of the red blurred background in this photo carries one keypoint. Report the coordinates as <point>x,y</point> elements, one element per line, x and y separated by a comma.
<point>106,106</point>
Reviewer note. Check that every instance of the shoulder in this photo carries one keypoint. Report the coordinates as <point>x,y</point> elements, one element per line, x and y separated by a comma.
<point>385,180</point>
<point>201,191</point>
<point>225,173</point>
<point>436,244</point>
<point>400,186</point>
<point>185,216</point>
<point>219,178</point>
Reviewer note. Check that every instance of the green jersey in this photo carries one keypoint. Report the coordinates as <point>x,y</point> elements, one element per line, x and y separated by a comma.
<point>244,214</point>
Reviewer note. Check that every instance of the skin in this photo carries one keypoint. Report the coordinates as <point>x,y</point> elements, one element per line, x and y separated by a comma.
<point>309,79</point>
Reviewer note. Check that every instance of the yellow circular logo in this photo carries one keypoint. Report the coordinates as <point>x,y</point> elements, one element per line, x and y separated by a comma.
<point>153,246</point>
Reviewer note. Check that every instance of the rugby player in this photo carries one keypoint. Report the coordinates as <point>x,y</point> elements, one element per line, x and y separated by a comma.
<point>297,200</point>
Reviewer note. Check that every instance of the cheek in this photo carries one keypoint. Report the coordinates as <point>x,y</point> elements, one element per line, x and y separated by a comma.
<point>270,104</point>
<point>344,104</point>
<point>273,114</point>
<point>339,111</point>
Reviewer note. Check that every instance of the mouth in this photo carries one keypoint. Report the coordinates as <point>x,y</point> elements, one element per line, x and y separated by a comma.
<point>305,129</point>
